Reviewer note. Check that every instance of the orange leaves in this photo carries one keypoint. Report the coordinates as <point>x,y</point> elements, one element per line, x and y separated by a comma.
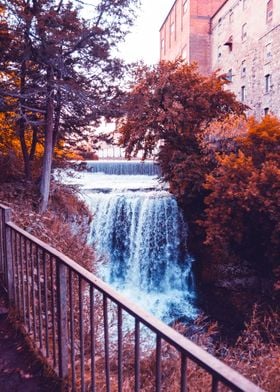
<point>8,139</point>
<point>247,182</point>
<point>267,131</point>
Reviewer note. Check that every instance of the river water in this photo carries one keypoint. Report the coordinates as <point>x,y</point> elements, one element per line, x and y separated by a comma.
<point>139,234</point>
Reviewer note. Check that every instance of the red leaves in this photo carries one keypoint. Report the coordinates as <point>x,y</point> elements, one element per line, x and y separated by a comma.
<point>249,182</point>
<point>223,170</point>
<point>173,100</point>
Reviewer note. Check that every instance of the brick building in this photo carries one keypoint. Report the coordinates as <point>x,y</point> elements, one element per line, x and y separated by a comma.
<point>239,37</point>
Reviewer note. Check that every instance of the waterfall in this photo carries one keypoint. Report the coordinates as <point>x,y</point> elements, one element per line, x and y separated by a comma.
<point>148,168</point>
<point>140,235</point>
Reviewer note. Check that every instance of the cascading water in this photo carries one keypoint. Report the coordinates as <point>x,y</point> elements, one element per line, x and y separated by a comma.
<point>141,236</point>
<point>123,167</point>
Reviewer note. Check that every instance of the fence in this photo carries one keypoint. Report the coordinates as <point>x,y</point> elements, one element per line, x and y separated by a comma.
<point>93,337</point>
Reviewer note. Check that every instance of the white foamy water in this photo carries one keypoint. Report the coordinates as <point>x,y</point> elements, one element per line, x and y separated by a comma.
<point>99,181</point>
<point>139,231</point>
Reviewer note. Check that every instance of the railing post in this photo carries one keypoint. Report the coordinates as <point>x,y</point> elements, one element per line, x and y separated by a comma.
<point>2,264</point>
<point>61,284</point>
<point>8,257</point>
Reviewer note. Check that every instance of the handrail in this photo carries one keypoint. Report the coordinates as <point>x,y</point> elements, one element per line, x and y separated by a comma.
<point>24,243</point>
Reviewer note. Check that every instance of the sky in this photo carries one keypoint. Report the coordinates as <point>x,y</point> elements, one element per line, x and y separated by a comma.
<point>143,43</point>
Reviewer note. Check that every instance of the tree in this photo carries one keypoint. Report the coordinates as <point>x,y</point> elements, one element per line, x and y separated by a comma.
<point>243,208</point>
<point>167,110</point>
<point>65,74</point>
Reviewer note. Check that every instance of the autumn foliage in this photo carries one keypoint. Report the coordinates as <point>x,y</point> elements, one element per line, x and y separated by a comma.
<point>223,168</point>
<point>243,207</point>
<point>166,112</point>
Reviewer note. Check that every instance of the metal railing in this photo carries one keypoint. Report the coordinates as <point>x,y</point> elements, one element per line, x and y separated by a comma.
<point>92,336</point>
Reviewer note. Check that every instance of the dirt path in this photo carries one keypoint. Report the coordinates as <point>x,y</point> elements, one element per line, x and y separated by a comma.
<point>20,370</point>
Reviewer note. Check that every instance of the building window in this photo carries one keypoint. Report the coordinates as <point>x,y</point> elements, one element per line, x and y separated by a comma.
<point>230,16</point>
<point>172,27</point>
<point>229,75</point>
<point>219,52</point>
<point>244,4</point>
<point>268,52</point>
<point>266,111</point>
<point>162,44</point>
<point>244,32</point>
<point>269,11</point>
<point>268,84</point>
<point>243,69</point>
<point>185,6</point>
<point>228,43</point>
<point>243,93</point>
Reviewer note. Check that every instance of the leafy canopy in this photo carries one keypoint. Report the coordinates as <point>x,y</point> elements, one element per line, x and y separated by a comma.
<point>166,110</point>
<point>243,207</point>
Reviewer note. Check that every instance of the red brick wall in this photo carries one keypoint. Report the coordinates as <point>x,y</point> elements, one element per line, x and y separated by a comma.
<point>191,34</point>
<point>200,43</point>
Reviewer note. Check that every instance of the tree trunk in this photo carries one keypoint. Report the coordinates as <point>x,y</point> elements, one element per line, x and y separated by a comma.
<point>57,118</point>
<point>33,144</point>
<point>26,160</point>
<point>27,167</point>
<point>48,146</point>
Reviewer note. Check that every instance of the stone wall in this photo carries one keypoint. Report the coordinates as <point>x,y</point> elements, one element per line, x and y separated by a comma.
<point>246,46</point>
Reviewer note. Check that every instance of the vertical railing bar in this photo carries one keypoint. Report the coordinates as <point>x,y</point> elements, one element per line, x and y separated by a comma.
<point>158,363</point>
<point>2,251</point>
<point>120,350</point>
<point>72,330</point>
<point>4,247</point>
<point>28,305</point>
<point>46,303</point>
<point>183,372</point>
<point>22,278</point>
<point>39,297</point>
<point>215,384</point>
<point>92,337</point>
<point>137,356</point>
<point>5,231</point>
<point>106,342</point>
<point>82,351</point>
<point>52,261</point>
<point>62,318</point>
<point>33,291</point>
<point>14,263</point>
<point>16,270</point>
<point>8,248</point>
<point>18,273</point>
<point>8,256</point>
